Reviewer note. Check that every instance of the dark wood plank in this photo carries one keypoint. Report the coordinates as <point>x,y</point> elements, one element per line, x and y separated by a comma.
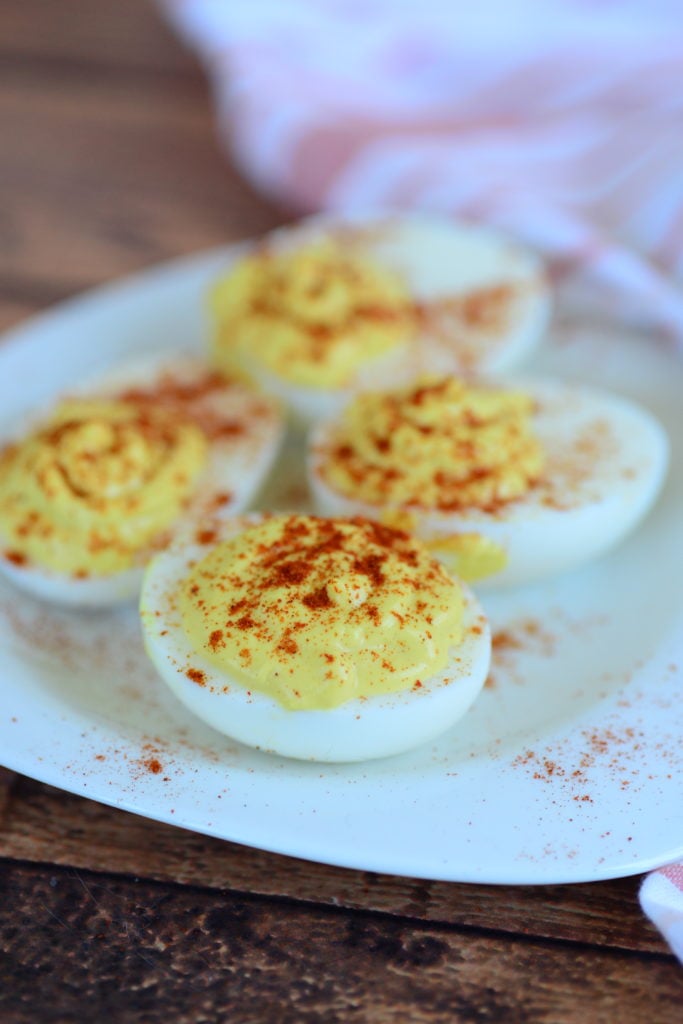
<point>136,179</point>
<point>43,824</point>
<point>75,944</point>
<point>127,35</point>
<point>106,171</point>
<point>7,781</point>
<point>13,310</point>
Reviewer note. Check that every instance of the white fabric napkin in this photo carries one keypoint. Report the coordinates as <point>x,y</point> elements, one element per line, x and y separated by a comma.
<point>560,121</point>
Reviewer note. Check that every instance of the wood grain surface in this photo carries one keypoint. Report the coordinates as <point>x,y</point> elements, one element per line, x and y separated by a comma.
<point>110,163</point>
<point>109,160</point>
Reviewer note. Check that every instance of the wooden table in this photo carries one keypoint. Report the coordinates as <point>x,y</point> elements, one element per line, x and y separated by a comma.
<point>108,164</point>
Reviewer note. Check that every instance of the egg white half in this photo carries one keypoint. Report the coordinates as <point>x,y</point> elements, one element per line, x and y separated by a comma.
<point>440,261</point>
<point>308,405</point>
<point>236,466</point>
<point>606,461</point>
<point>358,730</point>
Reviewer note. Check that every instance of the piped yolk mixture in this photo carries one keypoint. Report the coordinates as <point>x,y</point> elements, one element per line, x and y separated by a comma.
<point>90,489</point>
<point>316,612</point>
<point>312,316</point>
<point>437,444</point>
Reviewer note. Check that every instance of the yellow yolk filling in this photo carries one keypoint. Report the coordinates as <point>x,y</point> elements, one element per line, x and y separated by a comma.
<point>470,556</point>
<point>437,444</point>
<point>312,316</point>
<point>316,612</point>
<point>94,486</point>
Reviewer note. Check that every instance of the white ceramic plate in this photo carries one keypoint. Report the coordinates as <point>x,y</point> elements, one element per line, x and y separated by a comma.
<point>568,768</point>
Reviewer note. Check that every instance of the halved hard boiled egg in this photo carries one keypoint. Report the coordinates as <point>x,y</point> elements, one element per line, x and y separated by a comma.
<point>320,639</point>
<point>328,306</point>
<point>528,480</point>
<point>118,468</point>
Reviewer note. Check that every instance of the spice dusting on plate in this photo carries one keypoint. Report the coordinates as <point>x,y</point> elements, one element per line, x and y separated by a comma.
<point>579,765</point>
<point>511,646</point>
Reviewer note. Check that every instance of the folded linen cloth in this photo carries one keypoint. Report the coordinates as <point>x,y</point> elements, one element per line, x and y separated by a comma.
<point>559,121</point>
<point>661,897</point>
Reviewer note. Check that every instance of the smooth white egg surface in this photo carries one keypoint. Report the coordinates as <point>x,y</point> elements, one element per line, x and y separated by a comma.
<point>78,509</point>
<point>322,308</point>
<point>308,405</point>
<point>484,300</point>
<point>604,462</point>
<point>360,728</point>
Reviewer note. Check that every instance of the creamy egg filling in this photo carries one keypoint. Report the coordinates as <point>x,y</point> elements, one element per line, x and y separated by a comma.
<point>99,482</point>
<point>469,556</point>
<point>316,612</point>
<point>436,444</point>
<point>312,316</point>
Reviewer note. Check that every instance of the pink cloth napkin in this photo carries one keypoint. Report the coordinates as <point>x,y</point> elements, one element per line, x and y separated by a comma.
<point>559,121</point>
<point>661,897</point>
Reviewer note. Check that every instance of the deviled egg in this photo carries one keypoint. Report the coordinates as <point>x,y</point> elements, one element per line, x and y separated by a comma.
<point>324,308</point>
<point>321,639</point>
<point>118,468</point>
<point>504,485</point>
